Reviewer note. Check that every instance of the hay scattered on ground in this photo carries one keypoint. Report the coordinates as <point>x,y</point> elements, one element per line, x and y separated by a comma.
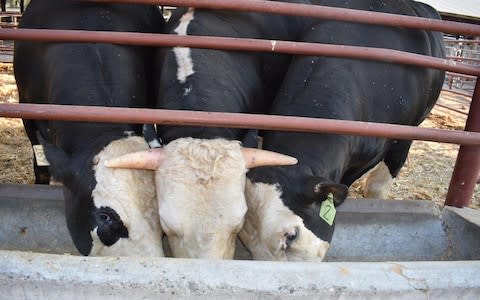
<point>15,153</point>
<point>425,176</point>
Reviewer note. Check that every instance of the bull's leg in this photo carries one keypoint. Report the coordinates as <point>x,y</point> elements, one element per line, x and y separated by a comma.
<point>380,179</point>
<point>40,167</point>
<point>378,182</point>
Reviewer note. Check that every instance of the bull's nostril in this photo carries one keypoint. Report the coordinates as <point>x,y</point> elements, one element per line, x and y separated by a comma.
<point>291,236</point>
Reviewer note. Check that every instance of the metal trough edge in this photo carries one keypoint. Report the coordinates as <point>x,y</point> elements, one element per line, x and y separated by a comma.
<point>27,275</point>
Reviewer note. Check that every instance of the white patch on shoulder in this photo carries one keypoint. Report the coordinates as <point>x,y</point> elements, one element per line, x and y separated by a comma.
<point>183,54</point>
<point>269,221</point>
<point>131,193</point>
<point>379,182</point>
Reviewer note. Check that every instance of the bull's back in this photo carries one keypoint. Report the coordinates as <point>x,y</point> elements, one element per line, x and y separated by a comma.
<point>361,89</point>
<point>83,66</point>
<point>84,73</point>
<point>222,81</point>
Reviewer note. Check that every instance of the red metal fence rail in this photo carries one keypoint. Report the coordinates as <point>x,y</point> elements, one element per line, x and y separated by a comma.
<point>457,79</point>
<point>469,59</point>
<point>317,11</point>
<point>468,161</point>
<point>225,43</point>
<point>237,120</point>
<point>452,109</point>
<point>458,93</point>
<point>462,41</point>
<point>467,166</point>
<point>466,51</point>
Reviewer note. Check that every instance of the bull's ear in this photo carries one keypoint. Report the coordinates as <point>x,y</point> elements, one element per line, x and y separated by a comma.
<point>250,139</point>
<point>60,162</point>
<point>150,136</point>
<point>318,189</point>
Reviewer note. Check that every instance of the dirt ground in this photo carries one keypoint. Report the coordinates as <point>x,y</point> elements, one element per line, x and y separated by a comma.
<point>427,172</point>
<point>425,176</point>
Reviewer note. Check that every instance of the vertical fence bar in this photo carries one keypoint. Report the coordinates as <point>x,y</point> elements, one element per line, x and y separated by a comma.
<point>467,167</point>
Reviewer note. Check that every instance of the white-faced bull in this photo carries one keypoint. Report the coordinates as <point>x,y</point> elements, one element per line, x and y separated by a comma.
<point>200,184</point>
<point>108,211</point>
<point>283,221</point>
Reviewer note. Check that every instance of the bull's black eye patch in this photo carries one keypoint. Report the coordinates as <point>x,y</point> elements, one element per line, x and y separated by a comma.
<point>110,227</point>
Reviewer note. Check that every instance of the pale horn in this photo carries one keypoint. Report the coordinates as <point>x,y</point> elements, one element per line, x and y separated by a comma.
<point>259,158</point>
<point>149,160</point>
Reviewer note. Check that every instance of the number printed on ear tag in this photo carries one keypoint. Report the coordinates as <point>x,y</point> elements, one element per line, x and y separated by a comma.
<point>327,210</point>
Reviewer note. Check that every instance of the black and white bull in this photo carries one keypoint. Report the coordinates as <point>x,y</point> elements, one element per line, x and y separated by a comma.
<point>202,203</point>
<point>283,221</point>
<point>108,211</point>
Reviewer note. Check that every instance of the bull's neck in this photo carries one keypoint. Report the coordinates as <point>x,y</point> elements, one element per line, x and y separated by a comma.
<point>318,155</point>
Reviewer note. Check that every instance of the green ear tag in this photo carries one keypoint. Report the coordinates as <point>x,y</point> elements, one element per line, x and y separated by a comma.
<point>327,210</point>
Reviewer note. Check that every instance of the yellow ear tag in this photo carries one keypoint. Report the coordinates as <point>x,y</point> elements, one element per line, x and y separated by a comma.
<point>327,210</point>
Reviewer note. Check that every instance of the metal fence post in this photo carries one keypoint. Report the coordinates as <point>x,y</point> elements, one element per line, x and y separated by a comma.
<point>467,166</point>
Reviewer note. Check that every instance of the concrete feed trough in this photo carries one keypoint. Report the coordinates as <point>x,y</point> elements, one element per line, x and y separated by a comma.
<point>381,249</point>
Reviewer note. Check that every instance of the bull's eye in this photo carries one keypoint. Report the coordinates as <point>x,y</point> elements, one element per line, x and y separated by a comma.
<point>110,227</point>
<point>104,218</point>
<point>290,237</point>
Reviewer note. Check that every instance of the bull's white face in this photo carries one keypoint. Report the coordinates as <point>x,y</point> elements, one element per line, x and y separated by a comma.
<point>200,192</point>
<point>273,232</point>
<point>126,207</point>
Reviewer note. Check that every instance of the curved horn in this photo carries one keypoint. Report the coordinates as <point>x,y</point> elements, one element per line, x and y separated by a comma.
<point>149,160</point>
<point>258,158</point>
